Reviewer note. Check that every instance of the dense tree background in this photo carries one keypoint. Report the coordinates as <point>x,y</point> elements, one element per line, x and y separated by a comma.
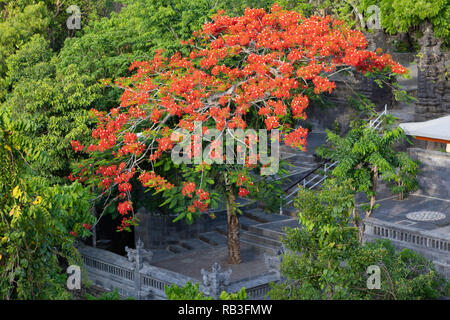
<point>50,79</point>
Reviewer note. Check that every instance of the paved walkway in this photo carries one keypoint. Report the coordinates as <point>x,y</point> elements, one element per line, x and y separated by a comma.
<point>395,211</point>
<point>190,263</point>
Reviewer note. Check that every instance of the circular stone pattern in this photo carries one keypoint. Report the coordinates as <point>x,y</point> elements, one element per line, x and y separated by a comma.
<point>425,216</point>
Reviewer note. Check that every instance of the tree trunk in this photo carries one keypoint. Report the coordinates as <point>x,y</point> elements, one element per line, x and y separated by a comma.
<point>356,220</point>
<point>401,195</point>
<point>374,189</point>
<point>362,227</point>
<point>94,227</point>
<point>234,251</point>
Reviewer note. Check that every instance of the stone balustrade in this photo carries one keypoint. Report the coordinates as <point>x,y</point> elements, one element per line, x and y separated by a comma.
<point>144,281</point>
<point>434,246</point>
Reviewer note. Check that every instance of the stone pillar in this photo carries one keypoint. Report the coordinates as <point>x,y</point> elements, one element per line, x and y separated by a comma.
<point>433,89</point>
<point>376,39</point>
<point>138,256</point>
<point>216,281</point>
<point>273,263</point>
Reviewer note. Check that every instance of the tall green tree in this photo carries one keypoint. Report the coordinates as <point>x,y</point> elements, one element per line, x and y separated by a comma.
<point>365,155</point>
<point>36,219</point>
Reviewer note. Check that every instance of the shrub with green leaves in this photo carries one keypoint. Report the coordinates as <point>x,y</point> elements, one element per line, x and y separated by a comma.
<point>191,292</point>
<point>366,155</point>
<point>325,260</point>
<point>407,15</point>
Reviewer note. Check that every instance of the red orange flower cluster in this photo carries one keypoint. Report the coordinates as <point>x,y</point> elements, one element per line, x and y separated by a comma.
<point>283,57</point>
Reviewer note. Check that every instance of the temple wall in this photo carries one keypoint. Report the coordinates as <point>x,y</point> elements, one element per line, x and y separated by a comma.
<point>433,87</point>
<point>434,177</point>
<point>158,231</point>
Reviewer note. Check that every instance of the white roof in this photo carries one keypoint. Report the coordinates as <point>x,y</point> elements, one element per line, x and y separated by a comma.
<point>437,128</point>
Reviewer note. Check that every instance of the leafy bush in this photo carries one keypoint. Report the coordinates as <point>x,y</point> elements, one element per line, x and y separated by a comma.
<point>191,292</point>
<point>325,260</point>
<point>404,15</point>
<point>110,295</point>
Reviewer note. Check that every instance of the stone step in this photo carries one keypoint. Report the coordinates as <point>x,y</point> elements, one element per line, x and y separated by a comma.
<point>293,164</point>
<point>312,180</point>
<point>267,233</point>
<point>161,254</point>
<point>259,215</point>
<point>298,177</point>
<point>289,210</point>
<point>259,239</point>
<point>267,245</point>
<point>246,222</point>
<point>213,238</point>
<point>243,225</point>
<point>295,173</point>
<point>175,248</point>
<point>192,244</point>
<point>291,180</point>
<point>222,230</point>
<point>287,155</point>
<point>302,160</point>
<point>261,248</point>
<point>273,230</point>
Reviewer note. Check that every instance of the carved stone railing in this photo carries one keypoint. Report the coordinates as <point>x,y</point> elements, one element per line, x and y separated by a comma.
<point>144,281</point>
<point>435,246</point>
<point>216,281</point>
<point>256,287</point>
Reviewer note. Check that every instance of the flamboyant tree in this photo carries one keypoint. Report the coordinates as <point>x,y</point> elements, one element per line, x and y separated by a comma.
<point>251,71</point>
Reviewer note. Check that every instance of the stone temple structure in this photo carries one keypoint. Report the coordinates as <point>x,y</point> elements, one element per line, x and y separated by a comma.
<point>433,88</point>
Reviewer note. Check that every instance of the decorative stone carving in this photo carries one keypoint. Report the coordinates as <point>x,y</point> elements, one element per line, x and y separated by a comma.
<point>273,262</point>
<point>216,281</point>
<point>376,39</point>
<point>139,255</point>
<point>433,88</point>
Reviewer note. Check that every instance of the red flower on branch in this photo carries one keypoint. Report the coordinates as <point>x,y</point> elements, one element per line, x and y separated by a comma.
<point>283,57</point>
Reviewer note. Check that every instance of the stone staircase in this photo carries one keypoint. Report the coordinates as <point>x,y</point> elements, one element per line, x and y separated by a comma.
<point>258,229</point>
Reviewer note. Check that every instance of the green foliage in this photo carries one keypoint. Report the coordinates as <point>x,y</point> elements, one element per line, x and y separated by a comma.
<point>188,292</point>
<point>325,260</point>
<point>36,218</point>
<point>19,27</point>
<point>110,295</point>
<point>404,15</point>
<point>365,154</point>
<point>32,87</point>
<point>240,295</point>
<point>57,109</point>
<point>191,292</point>
<point>342,10</point>
<point>331,227</point>
<point>53,81</point>
<point>49,79</point>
